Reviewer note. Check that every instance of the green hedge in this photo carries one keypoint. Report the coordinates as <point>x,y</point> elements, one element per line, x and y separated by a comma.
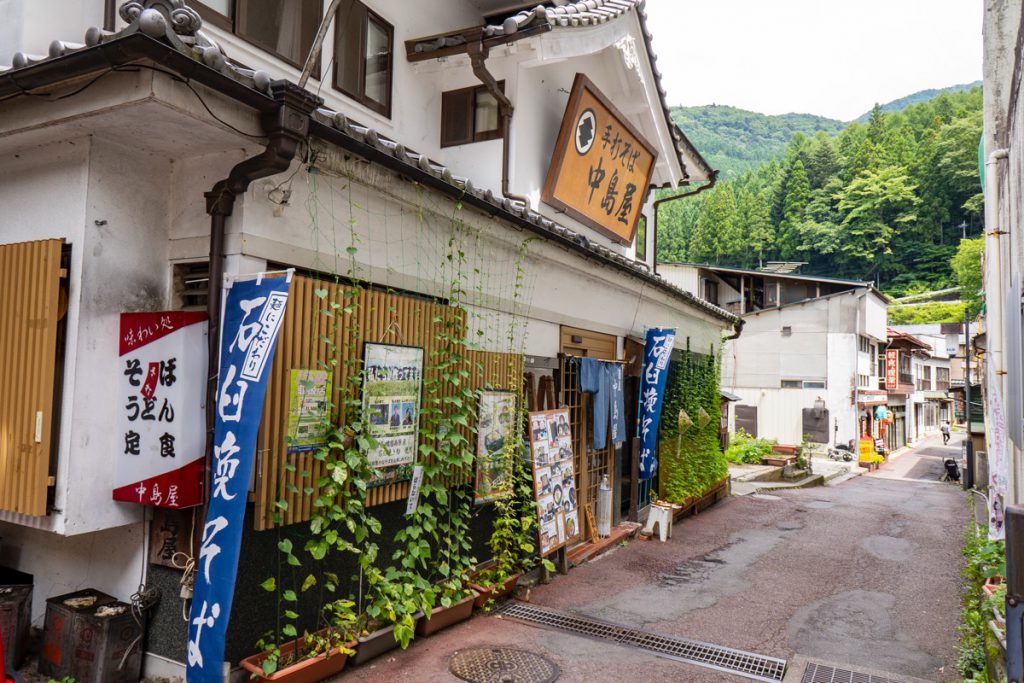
<point>691,458</point>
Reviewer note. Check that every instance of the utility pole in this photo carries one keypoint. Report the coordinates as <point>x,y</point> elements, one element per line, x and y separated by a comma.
<point>969,474</point>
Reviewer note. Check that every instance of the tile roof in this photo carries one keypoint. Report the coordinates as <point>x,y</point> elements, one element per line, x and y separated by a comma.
<point>174,24</point>
<point>586,13</point>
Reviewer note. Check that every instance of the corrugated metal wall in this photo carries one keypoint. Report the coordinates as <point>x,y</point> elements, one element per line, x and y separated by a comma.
<point>30,274</point>
<point>318,335</point>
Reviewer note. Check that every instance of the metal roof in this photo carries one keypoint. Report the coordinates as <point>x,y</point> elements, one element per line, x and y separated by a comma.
<point>169,32</point>
<point>763,273</point>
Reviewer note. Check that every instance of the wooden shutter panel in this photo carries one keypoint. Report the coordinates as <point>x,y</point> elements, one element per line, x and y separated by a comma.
<point>29,311</point>
<point>457,117</point>
<point>349,40</point>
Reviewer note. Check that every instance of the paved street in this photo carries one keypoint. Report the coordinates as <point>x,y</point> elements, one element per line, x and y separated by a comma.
<point>865,574</point>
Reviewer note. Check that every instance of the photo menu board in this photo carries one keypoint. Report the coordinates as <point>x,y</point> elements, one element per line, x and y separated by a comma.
<point>554,479</point>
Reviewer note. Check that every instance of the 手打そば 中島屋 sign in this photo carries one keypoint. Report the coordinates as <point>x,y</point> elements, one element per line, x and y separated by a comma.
<point>601,167</point>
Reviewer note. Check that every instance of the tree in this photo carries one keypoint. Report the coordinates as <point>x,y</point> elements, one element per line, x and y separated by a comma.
<point>966,266</point>
<point>823,161</point>
<point>798,190</point>
<point>716,236</point>
<point>874,205</point>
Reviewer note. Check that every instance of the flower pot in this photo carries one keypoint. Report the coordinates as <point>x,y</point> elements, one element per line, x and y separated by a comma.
<point>778,461</point>
<point>443,617</point>
<point>497,591</point>
<point>378,642</point>
<point>309,670</point>
<point>991,584</point>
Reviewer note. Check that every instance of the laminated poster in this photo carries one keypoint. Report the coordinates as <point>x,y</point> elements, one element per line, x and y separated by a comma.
<point>554,479</point>
<point>392,385</point>
<point>496,421</point>
<point>309,410</point>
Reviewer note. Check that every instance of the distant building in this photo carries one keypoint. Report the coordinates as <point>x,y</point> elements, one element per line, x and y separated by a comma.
<point>808,359</point>
<point>916,375</point>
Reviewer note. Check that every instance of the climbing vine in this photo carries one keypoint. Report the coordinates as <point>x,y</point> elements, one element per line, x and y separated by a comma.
<point>691,456</point>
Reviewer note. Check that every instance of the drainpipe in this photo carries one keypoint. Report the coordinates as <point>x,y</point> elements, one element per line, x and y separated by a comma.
<point>286,128</point>
<point>659,202</point>
<point>477,52</point>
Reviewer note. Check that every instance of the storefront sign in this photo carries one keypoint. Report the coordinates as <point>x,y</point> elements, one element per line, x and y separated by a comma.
<point>657,352</point>
<point>309,410</point>
<point>161,428</point>
<point>554,479</point>
<point>496,419</point>
<point>892,369</point>
<point>391,402</point>
<point>253,311</point>
<point>601,166</point>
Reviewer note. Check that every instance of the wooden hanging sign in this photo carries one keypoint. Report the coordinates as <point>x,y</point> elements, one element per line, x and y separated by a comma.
<point>601,167</point>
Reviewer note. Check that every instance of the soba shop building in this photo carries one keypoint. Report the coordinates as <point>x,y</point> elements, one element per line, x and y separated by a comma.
<point>468,172</point>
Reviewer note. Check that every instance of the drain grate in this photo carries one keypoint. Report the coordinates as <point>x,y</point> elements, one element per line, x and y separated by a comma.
<point>737,662</point>
<point>819,673</point>
<point>502,665</point>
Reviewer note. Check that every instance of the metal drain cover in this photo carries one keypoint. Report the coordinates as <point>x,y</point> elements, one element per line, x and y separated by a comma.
<point>819,673</point>
<point>502,665</point>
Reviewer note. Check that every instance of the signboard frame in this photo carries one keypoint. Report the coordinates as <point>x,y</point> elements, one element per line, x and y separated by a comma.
<point>551,193</point>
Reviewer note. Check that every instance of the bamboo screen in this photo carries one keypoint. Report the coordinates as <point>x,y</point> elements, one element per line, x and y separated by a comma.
<point>312,336</point>
<point>30,274</point>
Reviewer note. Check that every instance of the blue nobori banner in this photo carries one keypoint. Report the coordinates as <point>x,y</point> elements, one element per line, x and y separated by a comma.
<point>253,312</point>
<point>657,350</point>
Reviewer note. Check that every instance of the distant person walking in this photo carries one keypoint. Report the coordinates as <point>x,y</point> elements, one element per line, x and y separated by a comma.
<point>945,432</point>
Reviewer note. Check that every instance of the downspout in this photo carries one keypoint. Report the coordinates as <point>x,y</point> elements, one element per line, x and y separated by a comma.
<point>996,283</point>
<point>659,202</point>
<point>477,52</point>
<point>286,128</point>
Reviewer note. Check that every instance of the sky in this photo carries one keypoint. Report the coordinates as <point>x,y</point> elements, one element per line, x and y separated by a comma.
<point>834,58</point>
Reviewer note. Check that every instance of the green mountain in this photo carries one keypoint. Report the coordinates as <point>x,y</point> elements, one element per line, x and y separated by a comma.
<point>735,140</point>
<point>917,98</point>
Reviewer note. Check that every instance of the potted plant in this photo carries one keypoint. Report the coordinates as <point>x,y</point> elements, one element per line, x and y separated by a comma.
<point>311,657</point>
<point>455,604</point>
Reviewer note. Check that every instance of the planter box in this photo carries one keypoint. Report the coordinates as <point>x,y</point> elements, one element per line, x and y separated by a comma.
<point>377,643</point>
<point>443,617</point>
<point>785,449</point>
<point>497,591</point>
<point>310,670</point>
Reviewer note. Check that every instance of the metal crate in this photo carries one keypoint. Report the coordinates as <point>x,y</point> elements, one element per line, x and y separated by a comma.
<point>103,643</point>
<point>15,613</point>
<point>62,623</point>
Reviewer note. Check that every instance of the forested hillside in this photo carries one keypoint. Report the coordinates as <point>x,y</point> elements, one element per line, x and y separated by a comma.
<point>917,98</point>
<point>880,201</point>
<point>735,140</point>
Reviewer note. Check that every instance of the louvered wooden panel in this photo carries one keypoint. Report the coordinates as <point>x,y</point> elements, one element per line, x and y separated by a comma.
<point>317,335</point>
<point>29,312</point>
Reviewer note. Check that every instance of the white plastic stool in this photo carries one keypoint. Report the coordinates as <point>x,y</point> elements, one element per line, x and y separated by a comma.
<point>662,516</point>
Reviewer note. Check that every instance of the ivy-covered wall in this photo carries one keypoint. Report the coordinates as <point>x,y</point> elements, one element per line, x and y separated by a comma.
<point>691,458</point>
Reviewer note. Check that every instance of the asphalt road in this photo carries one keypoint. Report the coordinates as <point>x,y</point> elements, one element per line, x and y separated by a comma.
<point>864,574</point>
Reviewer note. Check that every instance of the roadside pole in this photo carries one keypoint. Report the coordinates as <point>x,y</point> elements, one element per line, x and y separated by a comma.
<point>1015,593</point>
<point>968,479</point>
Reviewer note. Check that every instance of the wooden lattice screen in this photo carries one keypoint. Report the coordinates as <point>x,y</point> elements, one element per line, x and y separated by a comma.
<point>312,335</point>
<point>30,274</point>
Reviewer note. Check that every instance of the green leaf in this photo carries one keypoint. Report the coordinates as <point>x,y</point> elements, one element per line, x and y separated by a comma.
<point>289,630</point>
<point>308,583</point>
<point>290,596</point>
<point>269,585</point>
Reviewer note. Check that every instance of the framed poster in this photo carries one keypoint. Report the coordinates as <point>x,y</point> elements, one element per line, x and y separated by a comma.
<point>554,479</point>
<point>392,384</point>
<point>496,428</point>
<point>309,410</point>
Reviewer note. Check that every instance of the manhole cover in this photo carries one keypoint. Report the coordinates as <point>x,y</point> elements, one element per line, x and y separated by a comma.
<point>502,665</point>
